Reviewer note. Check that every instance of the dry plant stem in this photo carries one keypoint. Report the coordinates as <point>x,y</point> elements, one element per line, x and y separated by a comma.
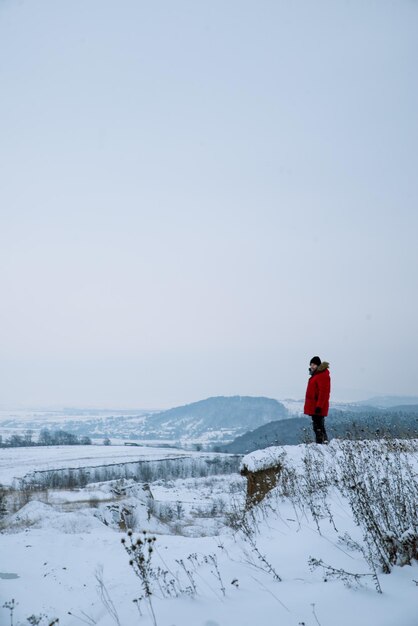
<point>105,596</point>
<point>11,605</point>
<point>140,553</point>
<point>263,586</point>
<point>188,574</point>
<point>89,619</point>
<point>348,578</point>
<point>194,560</point>
<point>216,573</point>
<point>267,566</point>
<point>315,615</point>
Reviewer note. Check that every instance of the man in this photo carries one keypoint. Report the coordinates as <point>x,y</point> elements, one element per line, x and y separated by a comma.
<point>317,397</point>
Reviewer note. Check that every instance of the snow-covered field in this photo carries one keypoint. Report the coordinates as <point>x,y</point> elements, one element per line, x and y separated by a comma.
<point>17,462</point>
<point>218,567</point>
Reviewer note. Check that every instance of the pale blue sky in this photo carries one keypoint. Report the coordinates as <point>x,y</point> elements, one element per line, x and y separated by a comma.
<point>198,196</point>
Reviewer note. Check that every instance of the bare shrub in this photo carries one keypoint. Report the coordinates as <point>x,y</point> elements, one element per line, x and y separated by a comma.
<point>128,518</point>
<point>380,485</point>
<point>3,503</point>
<point>249,529</point>
<point>164,512</point>
<point>235,515</point>
<point>315,483</point>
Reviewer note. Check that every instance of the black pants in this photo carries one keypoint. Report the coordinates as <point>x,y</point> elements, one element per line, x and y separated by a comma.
<point>318,423</point>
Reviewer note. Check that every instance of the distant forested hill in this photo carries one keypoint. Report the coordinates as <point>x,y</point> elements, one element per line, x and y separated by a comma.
<point>341,424</point>
<point>220,418</point>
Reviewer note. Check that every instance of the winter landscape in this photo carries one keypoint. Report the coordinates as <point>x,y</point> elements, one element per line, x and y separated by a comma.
<point>209,313</point>
<point>132,534</point>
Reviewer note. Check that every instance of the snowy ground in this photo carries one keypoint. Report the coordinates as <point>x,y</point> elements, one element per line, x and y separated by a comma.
<point>53,548</point>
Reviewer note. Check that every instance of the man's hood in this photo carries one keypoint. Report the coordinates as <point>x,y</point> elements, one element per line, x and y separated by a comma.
<point>321,368</point>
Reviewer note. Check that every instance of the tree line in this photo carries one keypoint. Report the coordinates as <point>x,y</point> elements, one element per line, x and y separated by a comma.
<point>46,438</point>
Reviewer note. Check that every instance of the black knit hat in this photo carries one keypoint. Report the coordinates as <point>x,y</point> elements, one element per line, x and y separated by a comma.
<point>315,360</point>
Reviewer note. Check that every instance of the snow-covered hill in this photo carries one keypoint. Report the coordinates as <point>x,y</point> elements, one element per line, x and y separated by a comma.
<point>214,419</point>
<point>295,559</point>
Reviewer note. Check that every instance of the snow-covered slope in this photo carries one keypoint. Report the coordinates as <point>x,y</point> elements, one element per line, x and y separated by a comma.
<point>256,570</point>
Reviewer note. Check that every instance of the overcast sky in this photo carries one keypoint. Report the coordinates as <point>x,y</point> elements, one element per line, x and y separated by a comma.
<point>196,197</point>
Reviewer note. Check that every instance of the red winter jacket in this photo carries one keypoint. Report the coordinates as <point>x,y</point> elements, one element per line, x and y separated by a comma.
<point>318,391</point>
